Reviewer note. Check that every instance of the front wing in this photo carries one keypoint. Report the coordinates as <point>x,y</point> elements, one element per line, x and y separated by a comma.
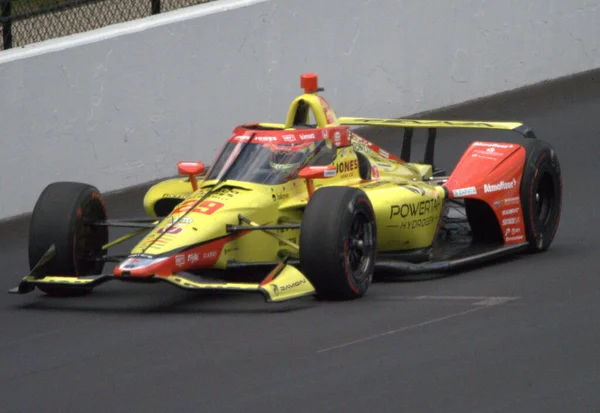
<point>284,283</point>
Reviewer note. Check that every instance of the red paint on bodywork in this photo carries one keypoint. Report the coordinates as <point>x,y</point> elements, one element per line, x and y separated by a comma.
<point>491,172</point>
<point>337,134</point>
<point>201,257</point>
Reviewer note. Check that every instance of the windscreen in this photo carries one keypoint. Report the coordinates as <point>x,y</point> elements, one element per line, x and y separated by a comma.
<point>270,164</point>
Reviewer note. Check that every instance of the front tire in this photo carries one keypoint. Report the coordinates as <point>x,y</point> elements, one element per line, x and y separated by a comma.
<point>541,194</point>
<point>338,243</point>
<point>62,216</point>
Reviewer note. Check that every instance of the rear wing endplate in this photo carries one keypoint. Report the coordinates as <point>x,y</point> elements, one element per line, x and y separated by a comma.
<point>432,126</point>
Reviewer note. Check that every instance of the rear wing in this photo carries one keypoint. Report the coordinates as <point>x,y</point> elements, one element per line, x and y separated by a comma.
<point>432,126</point>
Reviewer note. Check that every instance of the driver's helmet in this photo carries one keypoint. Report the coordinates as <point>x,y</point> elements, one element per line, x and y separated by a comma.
<point>287,157</point>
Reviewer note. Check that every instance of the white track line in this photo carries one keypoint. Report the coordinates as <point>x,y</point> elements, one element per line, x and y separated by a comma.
<point>482,303</point>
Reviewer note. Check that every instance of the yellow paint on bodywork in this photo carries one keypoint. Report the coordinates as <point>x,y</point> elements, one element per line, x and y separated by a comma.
<point>426,171</point>
<point>259,203</point>
<point>272,125</point>
<point>289,284</point>
<point>316,106</point>
<point>55,279</point>
<point>193,285</point>
<point>175,188</point>
<point>424,123</point>
<point>407,214</point>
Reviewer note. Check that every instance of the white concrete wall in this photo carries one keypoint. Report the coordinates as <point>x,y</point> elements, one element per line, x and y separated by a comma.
<point>119,106</point>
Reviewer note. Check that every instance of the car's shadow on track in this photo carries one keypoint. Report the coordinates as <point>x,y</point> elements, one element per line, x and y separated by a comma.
<point>180,303</point>
<point>382,276</point>
<point>153,301</point>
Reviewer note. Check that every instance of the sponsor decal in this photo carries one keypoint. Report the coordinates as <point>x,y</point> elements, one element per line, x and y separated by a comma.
<point>229,250</point>
<point>325,134</point>
<point>363,140</point>
<point>362,146</point>
<point>280,148</point>
<point>500,186</point>
<point>506,202</point>
<point>289,138</point>
<point>307,137</point>
<point>328,112</point>
<point>493,145</point>
<point>347,166</point>
<point>178,196</point>
<point>193,258</point>
<point>517,238</point>
<point>275,289</point>
<point>139,261</point>
<point>292,285</point>
<point>384,153</point>
<point>180,260</point>
<point>449,122</point>
<point>281,197</point>
<point>511,211</point>
<point>512,231</point>
<point>337,137</point>
<point>266,139</point>
<point>415,208</point>
<point>475,155</point>
<point>329,173</point>
<point>224,194</point>
<point>416,214</point>
<point>465,191</point>
<point>415,223</point>
<point>489,153</point>
<point>206,207</point>
<point>210,254</point>
<point>170,230</point>
<point>511,221</point>
<point>374,172</point>
<point>241,138</point>
<point>181,221</point>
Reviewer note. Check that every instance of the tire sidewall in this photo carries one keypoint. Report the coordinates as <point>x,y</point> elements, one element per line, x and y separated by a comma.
<point>58,218</point>
<point>541,161</point>
<point>324,242</point>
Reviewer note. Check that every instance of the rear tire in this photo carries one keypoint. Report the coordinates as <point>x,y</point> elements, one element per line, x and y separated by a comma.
<point>541,194</point>
<point>62,217</point>
<point>338,243</point>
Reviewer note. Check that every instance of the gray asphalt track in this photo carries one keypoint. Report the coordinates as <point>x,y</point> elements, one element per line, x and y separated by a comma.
<point>521,335</point>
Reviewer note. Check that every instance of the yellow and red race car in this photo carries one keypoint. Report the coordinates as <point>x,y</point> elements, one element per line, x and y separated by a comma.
<point>312,207</point>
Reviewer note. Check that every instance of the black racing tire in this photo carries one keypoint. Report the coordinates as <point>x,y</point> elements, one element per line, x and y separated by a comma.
<point>62,217</point>
<point>541,194</point>
<point>338,243</point>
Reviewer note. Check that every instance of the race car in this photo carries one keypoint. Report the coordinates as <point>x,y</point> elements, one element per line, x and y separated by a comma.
<point>311,207</point>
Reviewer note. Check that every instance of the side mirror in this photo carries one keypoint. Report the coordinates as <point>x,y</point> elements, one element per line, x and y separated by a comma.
<point>191,169</point>
<point>316,172</point>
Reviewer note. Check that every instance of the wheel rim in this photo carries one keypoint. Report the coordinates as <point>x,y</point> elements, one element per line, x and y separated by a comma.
<point>544,199</point>
<point>89,239</point>
<point>359,247</point>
